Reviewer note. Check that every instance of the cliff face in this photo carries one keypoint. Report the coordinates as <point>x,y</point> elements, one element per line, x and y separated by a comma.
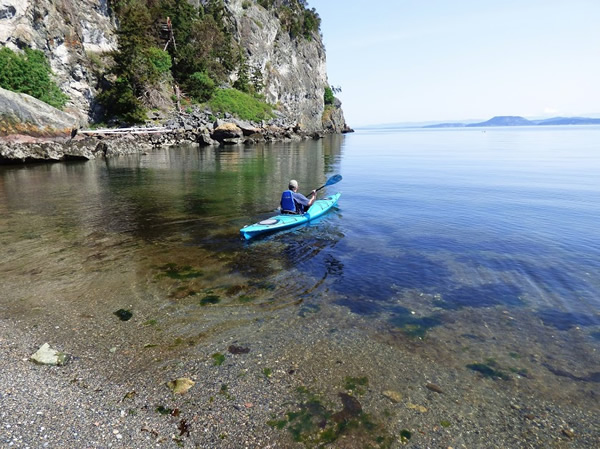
<point>295,69</point>
<point>70,32</point>
<point>67,31</point>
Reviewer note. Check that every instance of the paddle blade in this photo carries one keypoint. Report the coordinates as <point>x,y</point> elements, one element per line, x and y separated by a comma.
<point>333,180</point>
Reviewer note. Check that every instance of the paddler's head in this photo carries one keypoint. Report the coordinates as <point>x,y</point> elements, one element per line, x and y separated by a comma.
<point>293,185</point>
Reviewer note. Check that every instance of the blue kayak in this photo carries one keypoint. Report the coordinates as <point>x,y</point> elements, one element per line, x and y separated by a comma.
<point>280,222</point>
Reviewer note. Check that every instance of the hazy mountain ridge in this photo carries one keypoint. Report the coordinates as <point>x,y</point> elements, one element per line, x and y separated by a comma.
<point>515,120</point>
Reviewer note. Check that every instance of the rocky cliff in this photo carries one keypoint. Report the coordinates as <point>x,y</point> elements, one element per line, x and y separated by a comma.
<point>69,32</point>
<point>295,69</point>
<point>73,32</point>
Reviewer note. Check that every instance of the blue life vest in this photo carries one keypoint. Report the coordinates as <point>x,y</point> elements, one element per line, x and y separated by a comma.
<point>287,202</point>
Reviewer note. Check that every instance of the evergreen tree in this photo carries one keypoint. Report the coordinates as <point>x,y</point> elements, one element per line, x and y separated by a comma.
<point>242,82</point>
<point>257,80</point>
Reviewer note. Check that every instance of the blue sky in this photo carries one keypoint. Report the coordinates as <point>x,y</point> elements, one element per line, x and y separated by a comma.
<point>440,60</point>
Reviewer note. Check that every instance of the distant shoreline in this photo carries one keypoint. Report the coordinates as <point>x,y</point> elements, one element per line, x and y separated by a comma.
<point>498,121</point>
<point>511,120</point>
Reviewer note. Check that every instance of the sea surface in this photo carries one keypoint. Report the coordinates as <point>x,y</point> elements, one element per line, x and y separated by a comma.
<point>484,242</point>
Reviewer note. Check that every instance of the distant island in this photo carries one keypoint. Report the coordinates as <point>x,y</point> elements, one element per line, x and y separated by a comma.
<point>515,120</point>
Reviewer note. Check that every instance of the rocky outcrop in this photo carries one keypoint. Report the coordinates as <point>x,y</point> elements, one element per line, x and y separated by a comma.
<point>69,32</point>
<point>23,149</point>
<point>333,119</point>
<point>294,70</point>
<point>42,151</point>
<point>23,114</point>
<point>182,128</point>
<point>72,32</point>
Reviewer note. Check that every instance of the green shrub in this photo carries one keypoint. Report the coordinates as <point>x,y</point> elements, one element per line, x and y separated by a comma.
<point>200,86</point>
<point>328,95</point>
<point>297,19</point>
<point>30,73</point>
<point>160,59</point>
<point>240,104</point>
<point>311,23</point>
<point>267,4</point>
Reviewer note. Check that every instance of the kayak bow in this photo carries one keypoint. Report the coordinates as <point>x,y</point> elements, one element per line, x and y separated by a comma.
<point>286,221</point>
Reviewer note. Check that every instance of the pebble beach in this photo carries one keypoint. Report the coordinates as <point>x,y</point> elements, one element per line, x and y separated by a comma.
<point>248,381</point>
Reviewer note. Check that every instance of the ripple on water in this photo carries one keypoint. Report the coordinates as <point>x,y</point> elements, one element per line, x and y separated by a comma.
<point>566,320</point>
<point>488,295</point>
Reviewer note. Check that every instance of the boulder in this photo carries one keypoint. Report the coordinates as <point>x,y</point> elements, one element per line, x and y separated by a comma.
<point>255,138</point>
<point>246,127</point>
<point>227,131</point>
<point>23,114</point>
<point>204,138</point>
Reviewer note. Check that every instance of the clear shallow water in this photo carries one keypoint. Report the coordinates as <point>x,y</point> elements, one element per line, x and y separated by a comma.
<point>468,238</point>
<point>494,217</point>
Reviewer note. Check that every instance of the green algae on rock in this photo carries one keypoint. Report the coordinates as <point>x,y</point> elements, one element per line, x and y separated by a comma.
<point>218,358</point>
<point>315,424</point>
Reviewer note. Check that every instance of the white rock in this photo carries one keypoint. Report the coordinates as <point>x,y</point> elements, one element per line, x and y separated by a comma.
<point>48,356</point>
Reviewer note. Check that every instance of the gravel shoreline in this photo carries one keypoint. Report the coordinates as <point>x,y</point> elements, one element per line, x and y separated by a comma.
<point>121,400</point>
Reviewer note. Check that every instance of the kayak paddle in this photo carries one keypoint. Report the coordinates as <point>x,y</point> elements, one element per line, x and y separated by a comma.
<point>333,180</point>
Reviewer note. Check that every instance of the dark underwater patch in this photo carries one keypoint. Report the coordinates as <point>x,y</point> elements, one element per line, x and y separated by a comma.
<point>591,377</point>
<point>412,325</point>
<point>565,320</point>
<point>488,295</point>
<point>486,370</point>
<point>174,271</point>
<point>299,251</point>
<point>370,275</point>
<point>123,314</point>
<point>254,261</point>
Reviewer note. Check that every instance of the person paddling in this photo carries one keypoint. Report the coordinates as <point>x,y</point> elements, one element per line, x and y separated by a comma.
<point>293,202</point>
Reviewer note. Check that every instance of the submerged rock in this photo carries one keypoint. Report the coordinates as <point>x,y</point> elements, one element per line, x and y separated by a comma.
<point>434,387</point>
<point>48,356</point>
<point>238,349</point>
<point>352,408</point>
<point>393,396</point>
<point>418,407</point>
<point>124,315</point>
<point>181,385</point>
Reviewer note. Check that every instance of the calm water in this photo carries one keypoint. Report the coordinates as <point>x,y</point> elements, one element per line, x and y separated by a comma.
<point>437,233</point>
